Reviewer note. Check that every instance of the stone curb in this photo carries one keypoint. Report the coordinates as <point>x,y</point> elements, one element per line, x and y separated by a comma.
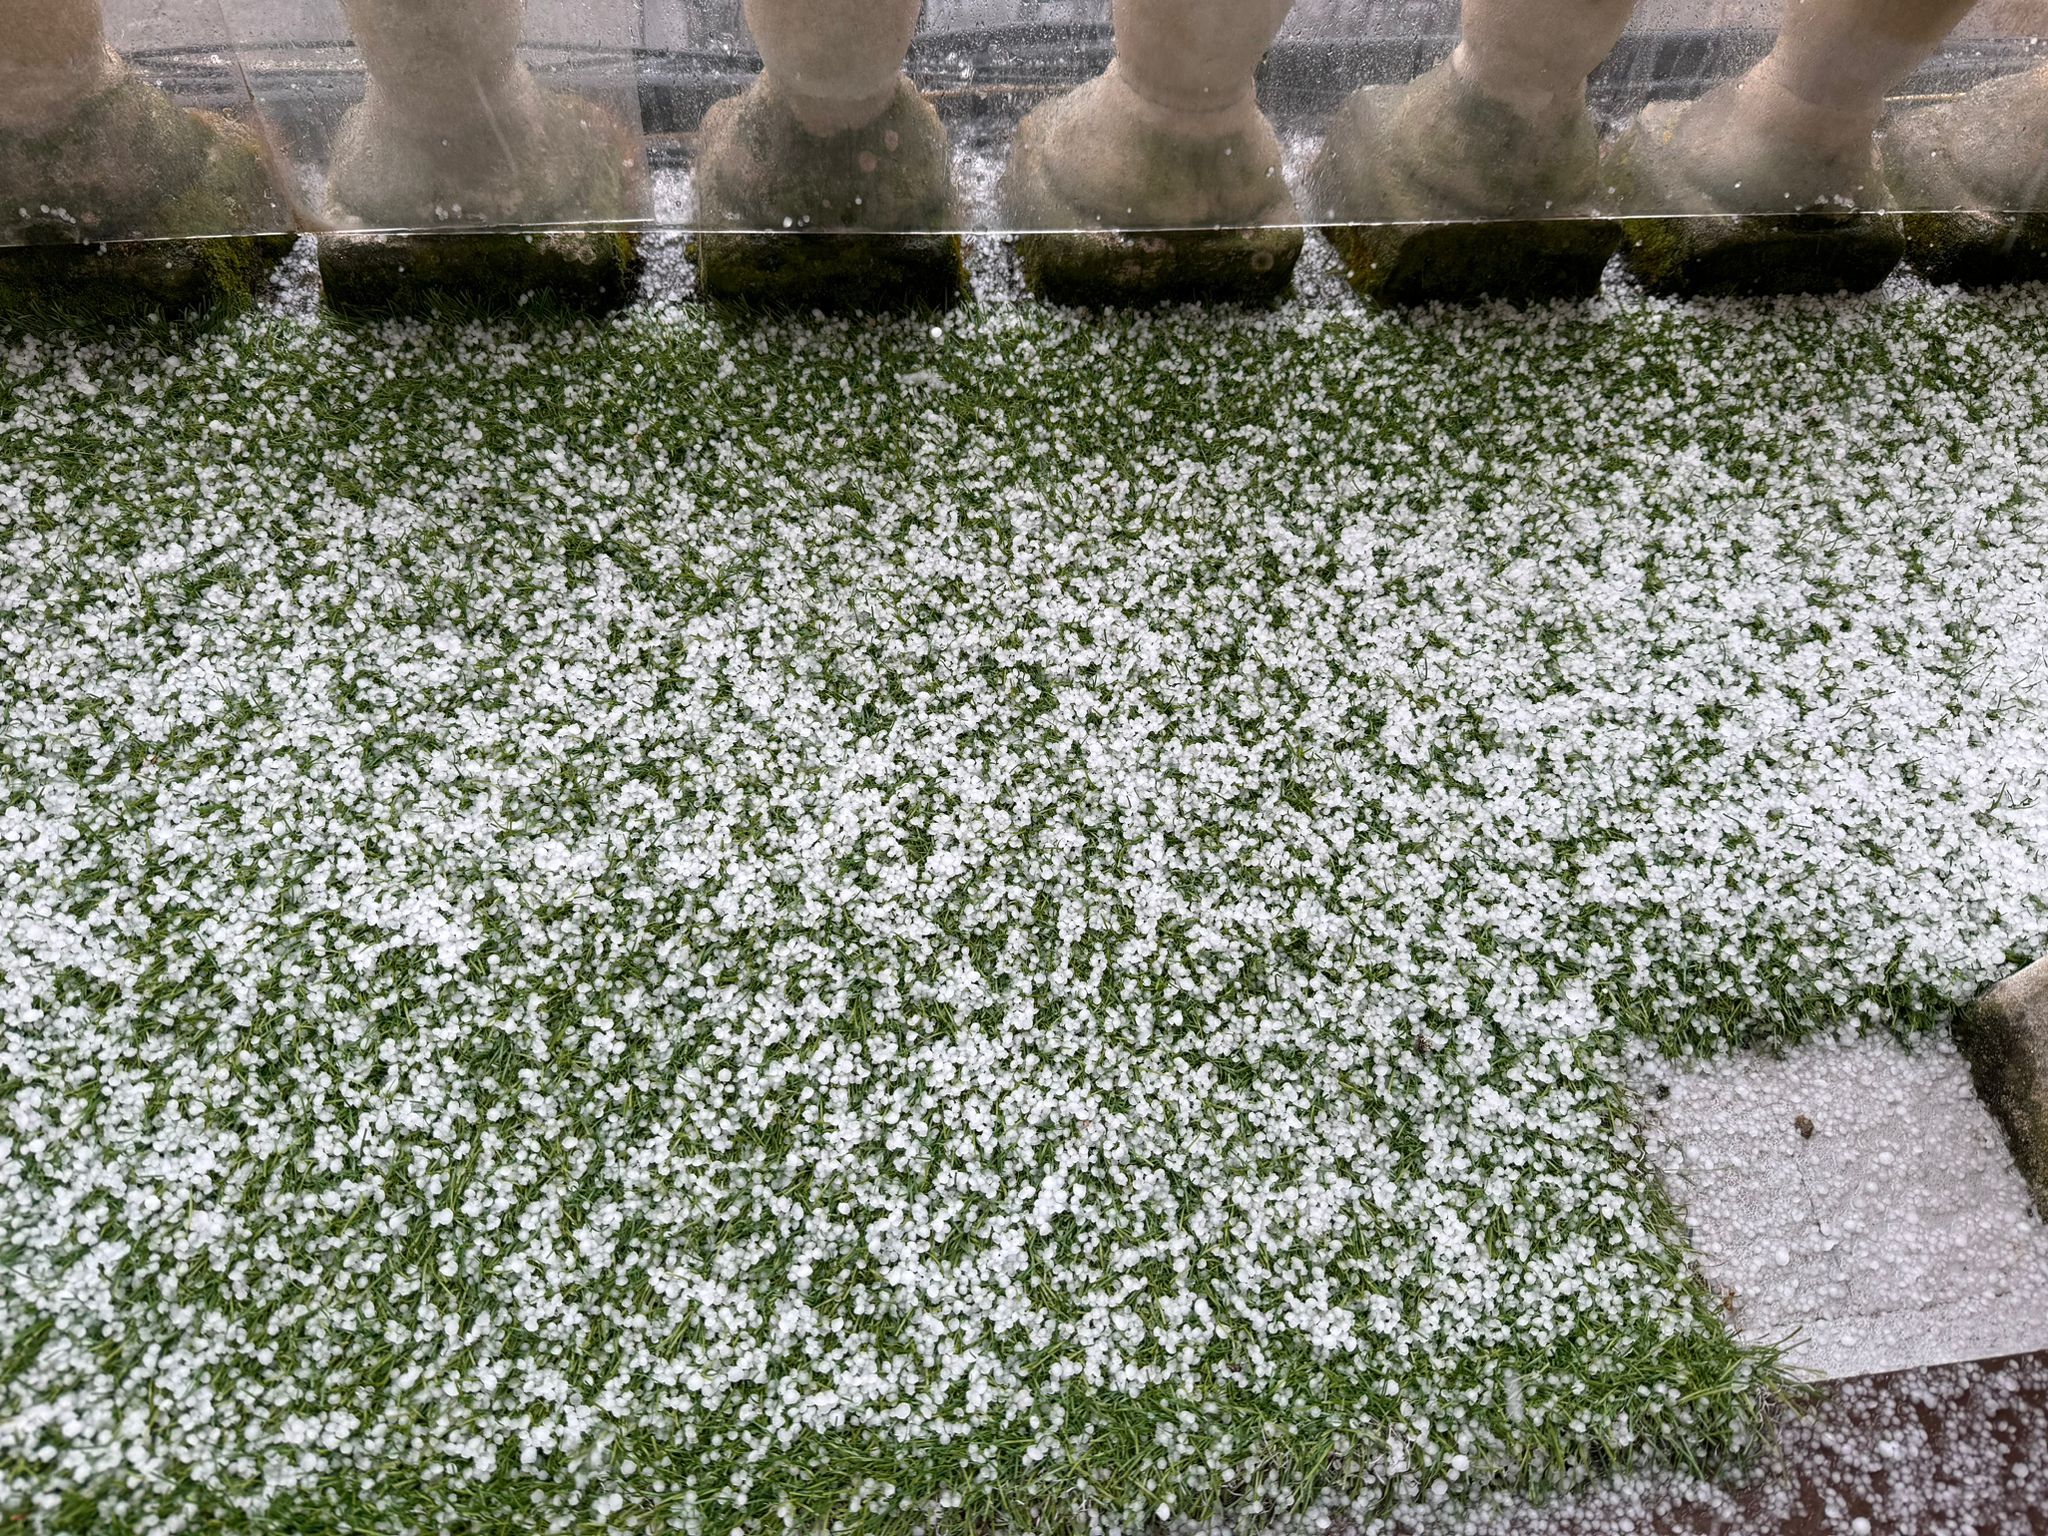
<point>2004,1037</point>
<point>1112,269</point>
<point>874,272</point>
<point>1977,248</point>
<point>1760,255</point>
<point>368,275</point>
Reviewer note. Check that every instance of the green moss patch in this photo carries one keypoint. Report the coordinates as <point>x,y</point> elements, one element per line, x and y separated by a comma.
<point>368,275</point>
<point>1223,266</point>
<point>1516,261</point>
<point>52,287</point>
<point>1752,255</point>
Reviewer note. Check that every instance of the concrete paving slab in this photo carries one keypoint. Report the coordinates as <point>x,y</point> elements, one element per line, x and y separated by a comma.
<point>1854,1197</point>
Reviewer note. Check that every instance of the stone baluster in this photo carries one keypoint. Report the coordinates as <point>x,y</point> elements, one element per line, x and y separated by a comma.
<point>828,183</point>
<point>53,57</point>
<point>837,68</point>
<point>1973,172</point>
<point>106,183</point>
<point>1161,178</point>
<point>1776,173</point>
<point>1481,178</point>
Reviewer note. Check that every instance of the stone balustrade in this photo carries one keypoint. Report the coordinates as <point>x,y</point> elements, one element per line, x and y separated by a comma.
<point>1450,151</point>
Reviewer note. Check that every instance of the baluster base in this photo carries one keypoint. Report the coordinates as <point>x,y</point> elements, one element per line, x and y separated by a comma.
<point>369,275</point>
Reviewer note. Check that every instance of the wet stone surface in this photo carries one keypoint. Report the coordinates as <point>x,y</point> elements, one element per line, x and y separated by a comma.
<point>477,273</point>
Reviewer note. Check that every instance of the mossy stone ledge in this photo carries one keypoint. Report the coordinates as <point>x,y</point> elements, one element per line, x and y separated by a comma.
<point>1976,248</point>
<point>1514,261</point>
<point>1110,268</point>
<point>83,285</point>
<point>832,271</point>
<point>1758,255</point>
<point>1688,237</point>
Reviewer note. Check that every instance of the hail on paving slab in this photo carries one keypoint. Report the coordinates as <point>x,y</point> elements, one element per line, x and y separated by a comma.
<point>736,925</point>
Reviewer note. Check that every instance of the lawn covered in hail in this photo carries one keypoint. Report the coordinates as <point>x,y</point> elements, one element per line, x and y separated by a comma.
<point>708,925</point>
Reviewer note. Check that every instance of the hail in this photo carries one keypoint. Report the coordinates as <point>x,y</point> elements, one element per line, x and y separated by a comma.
<point>737,924</point>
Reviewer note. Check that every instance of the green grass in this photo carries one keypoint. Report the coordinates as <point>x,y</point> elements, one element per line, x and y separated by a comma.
<point>1303,750</point>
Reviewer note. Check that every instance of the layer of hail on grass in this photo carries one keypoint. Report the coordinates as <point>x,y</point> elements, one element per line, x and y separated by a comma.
<point>722,925</point>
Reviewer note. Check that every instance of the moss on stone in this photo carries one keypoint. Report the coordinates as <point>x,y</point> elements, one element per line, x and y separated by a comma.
<point>158,207</point>
<point>1068,260</point>
<point>759,169</point>
<point>1112,268</point>
<point>1518,261</point>
<point>1433,192</point>
<point>232,195</point>
<point>864,209</point>
<point>1749,255</point>
<point>71,286</point>
<point>563,163</point>
<point>571,163</point>
<point>117,167</point>
<point>878,272</point>
<point>63,283</point>
<point>1970,169</point>
<point>2004,1038</point>
<point>1101,157</point>
<point>482,273</point>
<point>1978,248</point>
<point>1688,231</point>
